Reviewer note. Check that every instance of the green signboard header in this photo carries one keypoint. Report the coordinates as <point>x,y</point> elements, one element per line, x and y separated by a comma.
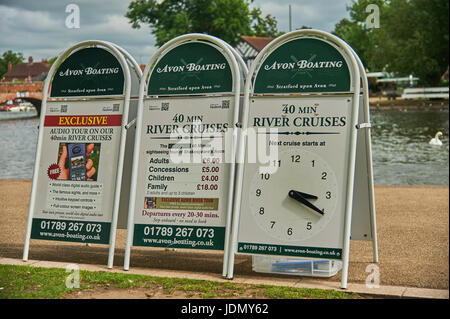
<point>191,68</point>
<point>88,72</point>
<point>302,66</point>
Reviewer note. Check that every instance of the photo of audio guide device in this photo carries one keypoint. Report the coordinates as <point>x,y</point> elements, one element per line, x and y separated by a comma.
<point>77,161</point>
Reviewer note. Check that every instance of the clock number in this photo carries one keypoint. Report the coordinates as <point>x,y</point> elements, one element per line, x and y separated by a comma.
<point>261,210</point>
<point>324,176</point>
<point>328,195</point>
<point>276,163</point>
<point>272,223</point>
<point>295,158</point>
<point>289,231</point>
<point>308,226</point>
<point>258,192</point>
<point>313,163</point>
<point>265,176</point>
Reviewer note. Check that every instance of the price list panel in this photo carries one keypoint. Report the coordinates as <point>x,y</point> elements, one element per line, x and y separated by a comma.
<point>181,198</point>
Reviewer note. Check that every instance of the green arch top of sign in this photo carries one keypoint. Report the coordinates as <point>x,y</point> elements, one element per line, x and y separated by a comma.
<point>191,68</point>
<point>303,65</point>
<point>88,72</point>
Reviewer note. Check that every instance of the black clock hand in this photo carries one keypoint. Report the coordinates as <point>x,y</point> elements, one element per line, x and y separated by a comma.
<point>304,195</point>
<point>298,197</point>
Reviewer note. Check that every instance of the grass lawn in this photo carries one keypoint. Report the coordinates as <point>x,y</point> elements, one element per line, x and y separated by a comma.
<point>24,282</point>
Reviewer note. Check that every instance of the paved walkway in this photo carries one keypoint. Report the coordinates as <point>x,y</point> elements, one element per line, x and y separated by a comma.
<point>413,241</point>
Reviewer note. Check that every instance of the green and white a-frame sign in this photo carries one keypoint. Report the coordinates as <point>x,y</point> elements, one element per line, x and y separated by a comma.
<point>77,175</point>
<point>302,99</point>
<point>182,184</point>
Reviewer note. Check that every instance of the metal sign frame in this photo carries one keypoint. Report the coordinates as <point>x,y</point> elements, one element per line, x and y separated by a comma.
<point>366,176</point>
<point>236,71</point>
<point>354,69</point>
<point>128,150</point>
<point>117,52</point>
<point>129,144</point>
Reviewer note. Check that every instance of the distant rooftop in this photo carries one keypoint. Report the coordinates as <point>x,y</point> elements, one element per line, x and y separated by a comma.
<point>34,70</point>
<point>389,77</point>
<point>249,47</point>
<point>257,42</point>
<point>399,79</point>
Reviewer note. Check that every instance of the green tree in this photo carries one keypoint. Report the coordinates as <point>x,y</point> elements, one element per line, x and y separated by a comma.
<point>226,19</point>
<point>412,37</point>
<point>362,38</point>
<point>263,27</point>
<point>9,56</point>
<point>418,37</point>
<point>52,60</point>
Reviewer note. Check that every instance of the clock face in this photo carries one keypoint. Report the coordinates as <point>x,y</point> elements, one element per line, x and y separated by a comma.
<point>298,200</point>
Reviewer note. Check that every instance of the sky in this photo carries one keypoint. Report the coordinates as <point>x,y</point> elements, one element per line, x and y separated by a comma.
<point>38,28</point>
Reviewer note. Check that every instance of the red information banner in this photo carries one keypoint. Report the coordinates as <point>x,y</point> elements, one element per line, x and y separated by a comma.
<point>83,120</point>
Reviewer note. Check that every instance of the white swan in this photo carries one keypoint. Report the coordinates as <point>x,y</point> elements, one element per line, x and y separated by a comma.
<point>437,139</point>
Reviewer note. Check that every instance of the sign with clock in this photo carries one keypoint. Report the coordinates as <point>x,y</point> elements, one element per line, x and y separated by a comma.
<point>302,197</point>
<point>302,98</point>
<point>183,178</point>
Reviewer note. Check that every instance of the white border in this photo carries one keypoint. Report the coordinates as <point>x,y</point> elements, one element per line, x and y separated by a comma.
<point>355,90</point>
<point>114,49</point>
<point>230,55</point>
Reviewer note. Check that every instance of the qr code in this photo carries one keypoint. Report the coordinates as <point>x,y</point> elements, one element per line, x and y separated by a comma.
<point>164,106</point>
<point>116,107</point>
<point>64,108</point>
<point>225,104</point>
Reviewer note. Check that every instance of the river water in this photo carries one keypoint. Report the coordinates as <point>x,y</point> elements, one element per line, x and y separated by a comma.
<point>400,149</point>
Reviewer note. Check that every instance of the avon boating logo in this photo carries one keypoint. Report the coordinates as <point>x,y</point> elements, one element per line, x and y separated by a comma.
<point>191,68</point>
<point>303,65</point>
<point>89,71</point>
